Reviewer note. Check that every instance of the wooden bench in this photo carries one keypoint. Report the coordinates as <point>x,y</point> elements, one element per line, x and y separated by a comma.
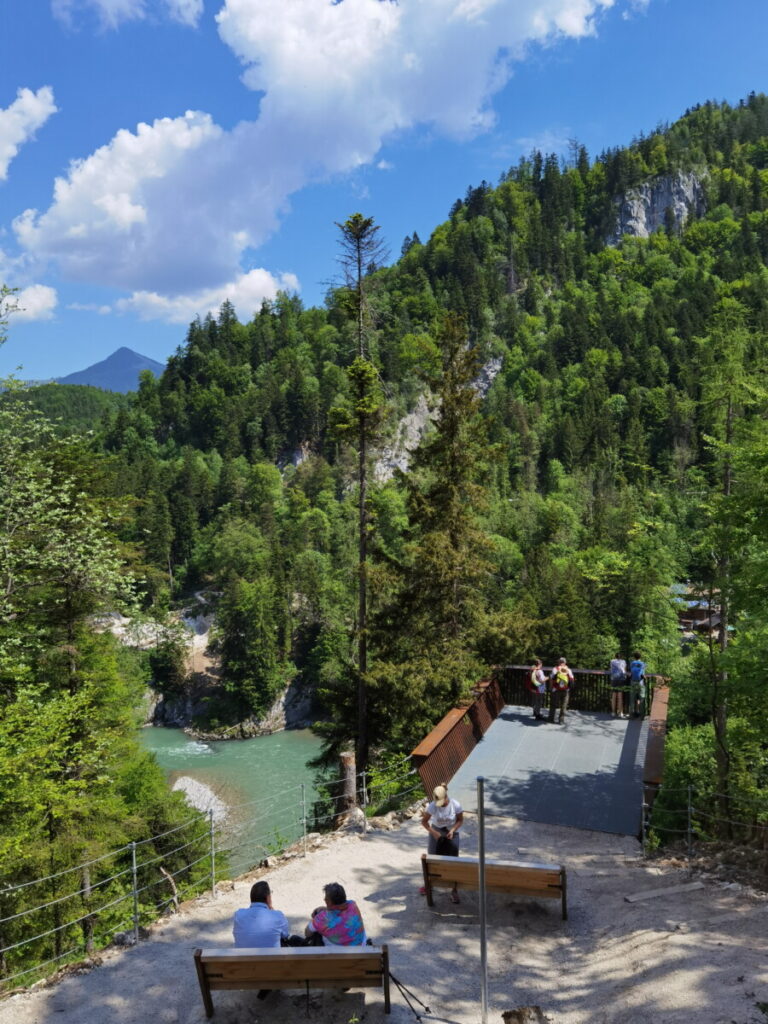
<point>288,967</point>
<point>541,881</point>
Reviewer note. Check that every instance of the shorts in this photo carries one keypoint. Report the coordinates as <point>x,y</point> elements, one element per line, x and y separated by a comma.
<point>432,847</point>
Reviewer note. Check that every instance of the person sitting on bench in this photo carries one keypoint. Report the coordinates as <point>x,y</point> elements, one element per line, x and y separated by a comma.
<point>339,922</point>
<point>260,925</point>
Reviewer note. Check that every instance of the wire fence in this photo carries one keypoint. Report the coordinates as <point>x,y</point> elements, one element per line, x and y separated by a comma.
<point>695,821</point>
<point>70,914</point>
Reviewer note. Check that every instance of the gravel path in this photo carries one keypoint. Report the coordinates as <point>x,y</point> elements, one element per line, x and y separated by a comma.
<point>698,956</point>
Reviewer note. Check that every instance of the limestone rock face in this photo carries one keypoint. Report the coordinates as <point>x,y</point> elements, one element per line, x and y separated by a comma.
<point>643,210</point>
<point>408,435</point>
<point>414,425</point>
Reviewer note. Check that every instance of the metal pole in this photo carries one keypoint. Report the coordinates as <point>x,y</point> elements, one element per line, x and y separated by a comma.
<point>135,883</point>
<point>481,884</point>
<point>365,807</point>
<point>304,814</point>
<point>213,855</point>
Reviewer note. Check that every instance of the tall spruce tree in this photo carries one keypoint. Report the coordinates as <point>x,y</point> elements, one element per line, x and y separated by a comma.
<point>361,249</point>
<point>431,631</point>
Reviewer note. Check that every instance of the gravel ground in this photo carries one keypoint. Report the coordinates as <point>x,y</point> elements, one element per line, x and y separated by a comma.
<point>697,956</point>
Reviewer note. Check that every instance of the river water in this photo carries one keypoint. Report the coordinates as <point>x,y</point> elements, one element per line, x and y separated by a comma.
<point>259,781</point>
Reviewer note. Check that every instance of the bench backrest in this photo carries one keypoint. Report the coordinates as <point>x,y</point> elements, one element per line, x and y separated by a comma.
<point>355,966</point>
<point>506,876</point>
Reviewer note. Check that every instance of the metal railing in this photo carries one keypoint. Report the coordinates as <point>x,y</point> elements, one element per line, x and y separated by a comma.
<point>591,689</point>
<point>441,753</point>
<point>68,915</point>
<point>692,821</point>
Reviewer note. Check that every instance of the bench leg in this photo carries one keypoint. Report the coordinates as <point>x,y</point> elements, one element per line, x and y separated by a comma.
<point>385,976</point>
<point>564,887</point>
<point>427,885</point>
<point>205,988</point>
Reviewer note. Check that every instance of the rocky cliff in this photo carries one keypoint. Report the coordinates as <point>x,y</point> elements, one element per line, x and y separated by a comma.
<point>643,210</point>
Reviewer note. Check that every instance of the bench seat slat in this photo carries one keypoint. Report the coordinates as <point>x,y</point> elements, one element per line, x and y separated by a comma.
<point>436,858</point>
<point>306,971</point>
<point>493,877</point>
<point>289,983</point>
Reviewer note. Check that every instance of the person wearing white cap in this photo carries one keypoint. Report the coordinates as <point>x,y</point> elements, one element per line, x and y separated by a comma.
<point>442,818</point>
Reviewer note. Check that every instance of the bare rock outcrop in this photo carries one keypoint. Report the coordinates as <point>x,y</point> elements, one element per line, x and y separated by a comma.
<point>646,209</point>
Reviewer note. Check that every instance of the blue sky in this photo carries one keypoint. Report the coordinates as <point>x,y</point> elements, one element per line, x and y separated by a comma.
<point>159,156</point>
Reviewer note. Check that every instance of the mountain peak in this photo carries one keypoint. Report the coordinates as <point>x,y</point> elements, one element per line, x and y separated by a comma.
<point>118,372</point>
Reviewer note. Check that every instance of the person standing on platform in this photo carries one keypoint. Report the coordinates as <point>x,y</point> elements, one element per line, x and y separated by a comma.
<point>618,675</point>
<point>536,682</point>
<point>560,682</point>
<point>637,685</point>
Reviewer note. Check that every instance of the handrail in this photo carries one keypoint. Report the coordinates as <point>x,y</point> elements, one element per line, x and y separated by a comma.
<point>443,751</point>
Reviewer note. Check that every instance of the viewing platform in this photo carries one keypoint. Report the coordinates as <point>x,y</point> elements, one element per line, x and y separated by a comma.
<point>586,773</point>
<point>592,772</point>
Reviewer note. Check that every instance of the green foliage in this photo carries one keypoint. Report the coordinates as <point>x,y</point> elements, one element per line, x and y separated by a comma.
<point>73,783</point>
<point>598,436</point>
<point>251,665</point>
<point>72,408</point>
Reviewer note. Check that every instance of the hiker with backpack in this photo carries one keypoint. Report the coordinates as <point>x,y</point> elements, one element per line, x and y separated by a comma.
<point>637,685</point>
<point>560,682</point>
<point>618,677</point>
<point>536,683</point>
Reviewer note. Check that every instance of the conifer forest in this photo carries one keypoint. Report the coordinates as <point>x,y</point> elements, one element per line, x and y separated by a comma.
<point>589,413</point>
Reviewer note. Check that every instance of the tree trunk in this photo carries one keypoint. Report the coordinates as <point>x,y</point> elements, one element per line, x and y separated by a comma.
<point>348,778</point>
<point>720,701</point>
<point>362,605</point>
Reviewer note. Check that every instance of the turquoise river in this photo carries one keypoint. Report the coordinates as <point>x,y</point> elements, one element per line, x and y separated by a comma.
<point>264,783</point>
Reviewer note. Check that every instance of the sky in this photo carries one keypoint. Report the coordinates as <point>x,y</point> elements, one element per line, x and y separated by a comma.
<point>160,156</point>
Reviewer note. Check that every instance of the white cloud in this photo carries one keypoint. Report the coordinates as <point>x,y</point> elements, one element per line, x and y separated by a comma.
<point>188,12</point>
<point>169,210</point>
<point>89,307</point>
<point>19,122</point>
<point>547,141</point>
<point>385,165</point>
<point>126,216</point>
<point>246,293</point>
<point>112,13</point>
<point>109,12</point>
<point>36,302</point>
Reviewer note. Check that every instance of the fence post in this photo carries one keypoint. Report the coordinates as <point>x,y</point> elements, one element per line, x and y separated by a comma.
<point>365,805</point>
<point>644,828</point>
<point>213,854</point>
<point>135,884</point>
<point>304,814</point>
<point>690,827</point>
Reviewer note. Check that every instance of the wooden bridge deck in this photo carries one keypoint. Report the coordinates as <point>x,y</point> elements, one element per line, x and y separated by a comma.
<point>587,773</point>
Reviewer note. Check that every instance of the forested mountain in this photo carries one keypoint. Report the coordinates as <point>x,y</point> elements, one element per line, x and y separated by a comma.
<point>71,407</point>
<point>618,449</point>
